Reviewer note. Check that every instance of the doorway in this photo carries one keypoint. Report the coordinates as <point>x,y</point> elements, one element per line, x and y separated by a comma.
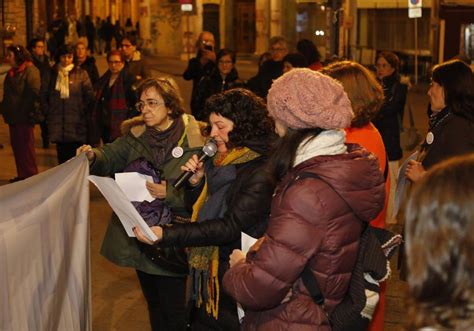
<point>244,23</point>
<point>210,21</point>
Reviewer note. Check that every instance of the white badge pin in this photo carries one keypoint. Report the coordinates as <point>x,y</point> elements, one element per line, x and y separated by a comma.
<point>177,152</point>
<point>429,138</point>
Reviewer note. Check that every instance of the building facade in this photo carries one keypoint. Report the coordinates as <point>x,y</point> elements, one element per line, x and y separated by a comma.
<point>354,29</point>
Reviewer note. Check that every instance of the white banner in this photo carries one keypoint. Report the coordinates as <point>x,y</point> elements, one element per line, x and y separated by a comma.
<point>44,251</point>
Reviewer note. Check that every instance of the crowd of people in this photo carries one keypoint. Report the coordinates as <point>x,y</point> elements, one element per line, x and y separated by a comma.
<point>306,161</point>
<point>66,96</point>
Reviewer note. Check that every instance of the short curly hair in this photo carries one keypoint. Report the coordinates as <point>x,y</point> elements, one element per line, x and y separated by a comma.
<point>362,88</point>
<point>247,111</point>
<point>20,53</point>
<point>168,90</point>
<point>63,50</point>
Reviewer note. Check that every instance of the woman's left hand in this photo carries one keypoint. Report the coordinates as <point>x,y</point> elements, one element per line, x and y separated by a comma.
<point>157,230</point>
<point>414,171</point>
<point>157,190</point>
<point>236,257</point>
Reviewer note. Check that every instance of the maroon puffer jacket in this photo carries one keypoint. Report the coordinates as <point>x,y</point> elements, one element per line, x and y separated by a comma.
<point>316,221</point>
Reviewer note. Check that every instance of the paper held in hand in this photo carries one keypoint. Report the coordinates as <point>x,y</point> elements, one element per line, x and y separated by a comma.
<point>122,206</point>
<point>246,243</point>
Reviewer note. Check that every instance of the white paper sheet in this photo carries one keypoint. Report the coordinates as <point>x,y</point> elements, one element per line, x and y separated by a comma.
<point>133,185</point>
<point>124,209</point>
<point>246,242</point>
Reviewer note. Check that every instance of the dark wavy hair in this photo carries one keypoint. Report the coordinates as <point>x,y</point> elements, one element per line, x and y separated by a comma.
<point>309,50</point>
<point>64,50</point>
<point>132,38</point>
<point>457,81</point>
<point>247,111</point>
<point>297,60</point>
<point>168,90</point>
<point>284,151</point>
<point>439,244</point>
<point>21,54</point>
<point>391,58</point>
<point>33,42</point>
<point>223,52</point>
<point>362,88</point>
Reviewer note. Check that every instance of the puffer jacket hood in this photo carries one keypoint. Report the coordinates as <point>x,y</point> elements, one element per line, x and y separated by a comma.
<point>354,176</point>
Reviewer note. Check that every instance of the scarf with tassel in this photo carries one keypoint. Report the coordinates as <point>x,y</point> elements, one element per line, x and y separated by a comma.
<point>204,261</point>
<point>62,83</point>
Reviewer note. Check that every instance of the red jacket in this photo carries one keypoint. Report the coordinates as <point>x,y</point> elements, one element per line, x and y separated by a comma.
<point>316,221</point>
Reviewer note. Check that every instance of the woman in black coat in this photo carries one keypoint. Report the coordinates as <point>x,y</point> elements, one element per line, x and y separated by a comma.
<point>68,96</point>
<point>239,199</point>
<point>224,77</point>
<point>390,116</point>
<point>451,129</point>
<point>203,63</point>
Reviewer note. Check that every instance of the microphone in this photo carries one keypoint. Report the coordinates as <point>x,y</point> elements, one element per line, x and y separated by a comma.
<point>208,150</point>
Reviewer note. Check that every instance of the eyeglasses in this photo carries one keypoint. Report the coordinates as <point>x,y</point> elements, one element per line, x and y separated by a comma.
<point>150,103</point>
<point>114,62</point>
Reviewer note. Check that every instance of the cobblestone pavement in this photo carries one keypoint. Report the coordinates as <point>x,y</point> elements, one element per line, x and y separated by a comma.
<point>117,302</point>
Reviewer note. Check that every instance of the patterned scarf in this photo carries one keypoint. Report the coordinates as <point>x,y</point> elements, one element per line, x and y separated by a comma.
<point>204,261</point>
<point>62,83</point>
<point>115,108</point>
<point>162,142</point>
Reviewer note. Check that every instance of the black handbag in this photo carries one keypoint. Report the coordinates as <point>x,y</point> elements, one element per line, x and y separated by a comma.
<point>174,259</point>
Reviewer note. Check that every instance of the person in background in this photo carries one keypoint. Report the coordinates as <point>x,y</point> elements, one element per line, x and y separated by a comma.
<point>114,100</point>
<point>264,57</point>
<point>118,33</point>
<point>136,68</point>
<point>366,96</point>
<point>58,30</point>
<point>202,64</point>
<point>310,52</point>
<point>228,194</point>
<point>160,130</point>
<point>90,31</point>
<point>224,77</point>
<point>451,127</point>
<point>107,33</point>
<point>86,62</point>
<point>129,26</point>
<point>293,60</point>
<point>73,30</point>
<point>20,96</point>
<point>99,30</point>
<point>37,49</point>
<point>439,242</point>
<point>68,96</point>
<point>327,193</point>
<point>271,69</point>
<point>390,116</point>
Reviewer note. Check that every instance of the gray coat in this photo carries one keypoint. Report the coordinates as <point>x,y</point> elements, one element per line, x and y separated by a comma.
<point>21,96</point>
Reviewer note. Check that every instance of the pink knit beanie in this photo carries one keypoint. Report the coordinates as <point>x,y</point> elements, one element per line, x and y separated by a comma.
<point>303,98</point>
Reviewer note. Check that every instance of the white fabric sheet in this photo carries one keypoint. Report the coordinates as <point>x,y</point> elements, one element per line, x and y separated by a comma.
<point>44,251</point>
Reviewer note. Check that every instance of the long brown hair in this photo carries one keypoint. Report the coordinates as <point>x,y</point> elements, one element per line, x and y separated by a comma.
<point>362,88</point>
<point>440,246</point>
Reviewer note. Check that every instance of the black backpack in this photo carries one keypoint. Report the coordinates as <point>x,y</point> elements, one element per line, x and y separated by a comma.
<point>375,249</point>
